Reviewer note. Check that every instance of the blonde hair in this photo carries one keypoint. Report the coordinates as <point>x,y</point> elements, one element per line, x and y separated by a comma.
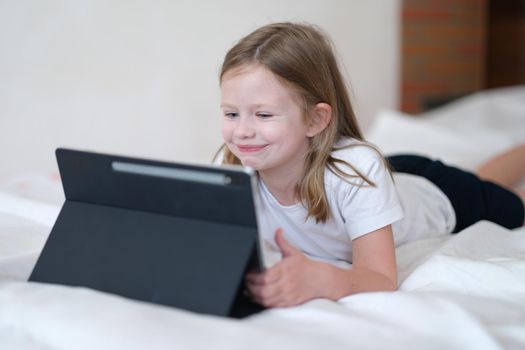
<point>300,56</point>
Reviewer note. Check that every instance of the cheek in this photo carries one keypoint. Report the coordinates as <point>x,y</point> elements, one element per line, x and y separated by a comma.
<point>277,132</point>
<point>226,132</point>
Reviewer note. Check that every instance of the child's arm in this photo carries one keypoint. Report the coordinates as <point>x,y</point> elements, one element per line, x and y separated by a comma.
<point>374,266</point>
<point>297,279</point>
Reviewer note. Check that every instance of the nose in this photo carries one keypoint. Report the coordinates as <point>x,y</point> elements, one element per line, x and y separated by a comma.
<point>244,128</point>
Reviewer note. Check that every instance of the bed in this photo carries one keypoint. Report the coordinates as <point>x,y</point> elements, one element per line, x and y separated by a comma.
<point>464,291</point>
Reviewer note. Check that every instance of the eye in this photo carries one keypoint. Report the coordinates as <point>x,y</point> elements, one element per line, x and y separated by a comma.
<point>231,115</point>
<point>264,115</point>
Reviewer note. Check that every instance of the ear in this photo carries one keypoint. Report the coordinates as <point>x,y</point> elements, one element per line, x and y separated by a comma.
<point>319,119</point>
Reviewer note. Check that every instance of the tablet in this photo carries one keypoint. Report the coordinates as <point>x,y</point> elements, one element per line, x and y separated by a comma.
<point>170,233</point>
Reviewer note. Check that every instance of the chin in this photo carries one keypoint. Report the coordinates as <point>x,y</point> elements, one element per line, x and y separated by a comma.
<point>250,164</point>
<point>246,162</point>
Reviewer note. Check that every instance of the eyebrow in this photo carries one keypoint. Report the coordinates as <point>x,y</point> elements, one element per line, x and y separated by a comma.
<point>258,105</point>
<point>226,105</point>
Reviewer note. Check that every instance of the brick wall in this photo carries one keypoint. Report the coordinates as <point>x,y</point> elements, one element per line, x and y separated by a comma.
<point>505,43</point>
<point>443,51</point>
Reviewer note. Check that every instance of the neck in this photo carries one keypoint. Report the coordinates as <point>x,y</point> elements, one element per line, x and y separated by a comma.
<point>282,183</point>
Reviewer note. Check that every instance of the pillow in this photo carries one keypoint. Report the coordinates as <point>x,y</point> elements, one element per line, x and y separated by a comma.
<point>395,132</point>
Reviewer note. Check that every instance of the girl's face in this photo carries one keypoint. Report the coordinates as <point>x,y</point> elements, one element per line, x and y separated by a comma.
<point>263,125</point>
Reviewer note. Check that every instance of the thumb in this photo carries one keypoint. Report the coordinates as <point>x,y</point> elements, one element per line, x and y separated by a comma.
<point>286,248</point>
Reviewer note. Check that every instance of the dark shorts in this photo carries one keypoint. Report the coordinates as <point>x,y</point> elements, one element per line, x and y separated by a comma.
<point>472,198</point>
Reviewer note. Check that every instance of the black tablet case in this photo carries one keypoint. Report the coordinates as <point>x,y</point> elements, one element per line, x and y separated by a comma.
<point>177,242</point>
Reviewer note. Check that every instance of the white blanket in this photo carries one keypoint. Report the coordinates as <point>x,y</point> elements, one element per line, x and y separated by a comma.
<point>466,291</point>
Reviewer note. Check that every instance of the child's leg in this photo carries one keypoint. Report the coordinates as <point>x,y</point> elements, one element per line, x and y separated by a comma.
<point>506,169</point>
<point>472,198</point>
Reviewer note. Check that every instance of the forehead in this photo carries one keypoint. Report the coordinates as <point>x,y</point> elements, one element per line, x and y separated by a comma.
<point>259,80</point>
<point>253,74</point>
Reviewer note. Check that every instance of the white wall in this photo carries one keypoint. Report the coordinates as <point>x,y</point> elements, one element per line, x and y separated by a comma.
<point>139,77</point>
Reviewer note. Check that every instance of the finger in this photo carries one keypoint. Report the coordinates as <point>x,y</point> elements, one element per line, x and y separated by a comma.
<point>263,293</point>
<point>286,248</point>
<point>272,275</point>
<point>282,299</point>
<point>278,300</point>
<point>254,277</point>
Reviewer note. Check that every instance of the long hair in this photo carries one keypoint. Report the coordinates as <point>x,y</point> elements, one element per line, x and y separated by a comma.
<point>301,56</point>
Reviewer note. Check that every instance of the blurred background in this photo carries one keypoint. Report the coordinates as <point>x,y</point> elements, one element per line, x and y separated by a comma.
<point>140,78</point>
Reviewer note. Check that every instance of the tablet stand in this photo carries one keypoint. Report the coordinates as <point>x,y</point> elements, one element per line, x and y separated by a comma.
<point>157,239</point>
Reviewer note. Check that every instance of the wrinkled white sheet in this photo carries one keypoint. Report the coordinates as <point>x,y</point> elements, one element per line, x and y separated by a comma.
<point>461,292</point>
<point>466,291</point>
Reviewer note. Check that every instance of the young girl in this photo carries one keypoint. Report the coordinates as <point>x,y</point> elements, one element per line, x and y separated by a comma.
<point>327,195</point>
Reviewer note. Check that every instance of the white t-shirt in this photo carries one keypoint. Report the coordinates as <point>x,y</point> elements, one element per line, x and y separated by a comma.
<point>358,210</point>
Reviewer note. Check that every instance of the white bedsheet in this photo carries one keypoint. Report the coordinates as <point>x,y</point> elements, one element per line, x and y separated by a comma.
<point>461,292</point>
<point>466,291</point>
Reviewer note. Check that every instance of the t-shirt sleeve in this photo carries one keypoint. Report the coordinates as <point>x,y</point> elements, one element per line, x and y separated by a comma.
<point>366,208</point>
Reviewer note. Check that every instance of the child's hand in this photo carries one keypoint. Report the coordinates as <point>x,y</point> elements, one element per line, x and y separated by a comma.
<point>293,280</point>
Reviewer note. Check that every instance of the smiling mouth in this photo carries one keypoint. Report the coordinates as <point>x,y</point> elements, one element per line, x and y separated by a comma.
<point>250,149</point>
